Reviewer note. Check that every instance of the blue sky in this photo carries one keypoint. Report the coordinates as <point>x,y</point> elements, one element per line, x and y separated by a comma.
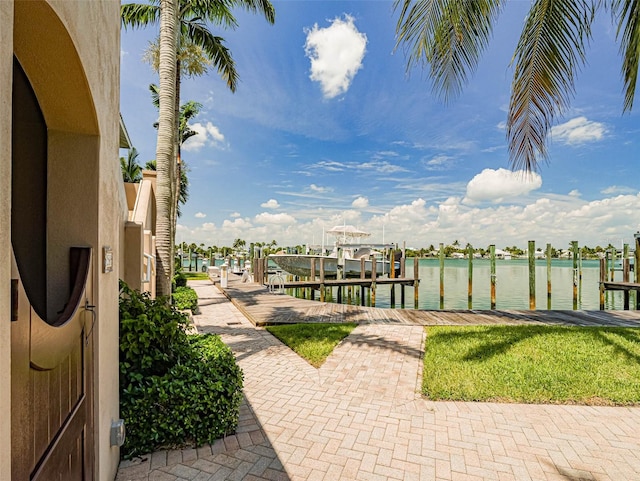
<point>327,127</point>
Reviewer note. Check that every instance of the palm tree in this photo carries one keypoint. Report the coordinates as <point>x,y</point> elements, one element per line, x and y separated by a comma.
<point>131,170</point>
<point>165,147</point>
<point>183,189</point>
<point>188,17</point>
<point>188,111</point>
<point>450,35</point>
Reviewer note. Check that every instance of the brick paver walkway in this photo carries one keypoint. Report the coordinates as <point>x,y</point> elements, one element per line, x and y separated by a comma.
<point>359,417</point>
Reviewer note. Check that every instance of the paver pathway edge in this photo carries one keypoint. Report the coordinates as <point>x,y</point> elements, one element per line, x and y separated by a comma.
<point>360,417</point>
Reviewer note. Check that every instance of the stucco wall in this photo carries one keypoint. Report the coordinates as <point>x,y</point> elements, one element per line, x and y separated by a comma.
<point>6,68</point>
<point>95,27</point>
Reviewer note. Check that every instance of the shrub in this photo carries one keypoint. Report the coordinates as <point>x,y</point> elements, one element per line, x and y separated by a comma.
<point>180,280</point>
<point>185,298</point>
<point>176,389</point>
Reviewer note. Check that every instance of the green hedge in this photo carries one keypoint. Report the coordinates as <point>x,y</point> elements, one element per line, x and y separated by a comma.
<point>185,298</point>
<point>175,389</point>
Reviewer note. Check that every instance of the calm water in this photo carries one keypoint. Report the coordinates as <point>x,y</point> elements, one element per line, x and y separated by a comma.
<point>512,285</point>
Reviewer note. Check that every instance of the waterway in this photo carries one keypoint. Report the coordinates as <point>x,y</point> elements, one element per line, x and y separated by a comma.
<point>512,285</point>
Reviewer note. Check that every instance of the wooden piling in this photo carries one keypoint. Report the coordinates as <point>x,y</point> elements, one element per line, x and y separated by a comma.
<point>603,278</point>
<point>362,276</point>
<point>492,257</point>
<point>470,288</point>
<point>322,292</point>
<point>392,274</point>
<point>531,248</point>
<point>403,267</point>
<point>441,256</point>
<point>373,281</point>
<point>416,282</point>
<point>625,278</point>
<point>574,249</point>
<point>549,276</point>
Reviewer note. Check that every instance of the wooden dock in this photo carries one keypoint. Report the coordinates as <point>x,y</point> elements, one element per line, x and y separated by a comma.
<point>263,308</point>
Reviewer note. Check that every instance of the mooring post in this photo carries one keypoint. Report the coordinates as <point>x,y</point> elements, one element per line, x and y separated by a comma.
<point>603,278</point>
<point>470,287</point>
<point>373,281</point>
<point>441,256</point>
<point>612,265</point>
<point>392,275</point>
<point>416,281</point>
<point>362,276</point>
<point>532,274</point>
<point>492,260</point>
<point>403,274</point>
<point>549,276</point>
<point>322,293</point>
<point>574,249</point>
<point>625,278</point>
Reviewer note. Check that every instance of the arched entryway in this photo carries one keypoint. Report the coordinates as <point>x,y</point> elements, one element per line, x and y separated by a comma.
<point>53,231</point>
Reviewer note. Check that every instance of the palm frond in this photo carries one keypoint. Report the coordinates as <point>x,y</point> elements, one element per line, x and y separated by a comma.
<point>447,35</point>
<point>215,11</point>
<point>216,51</point>
<point>155,95</point>
<point>549,53</point>
<point>628,13</point>
<point>256,6</point>
<point>136,15</point>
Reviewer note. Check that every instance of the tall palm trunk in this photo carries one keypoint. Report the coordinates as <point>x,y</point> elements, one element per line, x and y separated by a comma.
<point>165,159</point>
<point>176,145</point>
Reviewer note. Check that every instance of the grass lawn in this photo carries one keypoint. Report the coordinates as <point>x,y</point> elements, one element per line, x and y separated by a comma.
<point>312,342</point>
<point>533,364</point>
<point>196,276</point>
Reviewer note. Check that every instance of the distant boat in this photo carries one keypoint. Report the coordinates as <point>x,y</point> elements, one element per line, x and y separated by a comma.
<point>346,256</point>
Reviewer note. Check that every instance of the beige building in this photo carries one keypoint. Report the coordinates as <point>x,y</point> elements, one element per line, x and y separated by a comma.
<point>62,230</point>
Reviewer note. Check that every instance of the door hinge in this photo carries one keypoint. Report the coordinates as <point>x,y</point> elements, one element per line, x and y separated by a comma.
<point>14,300</point>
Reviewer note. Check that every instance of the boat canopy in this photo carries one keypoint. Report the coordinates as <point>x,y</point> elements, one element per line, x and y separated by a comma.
<point>347,231</point>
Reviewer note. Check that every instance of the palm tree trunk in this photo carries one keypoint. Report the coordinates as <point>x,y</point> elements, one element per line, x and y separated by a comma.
<point>165,159</point>
<point>177,141</point>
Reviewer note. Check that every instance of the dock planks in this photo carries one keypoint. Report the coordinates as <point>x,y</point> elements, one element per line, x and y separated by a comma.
<point>263,308</point>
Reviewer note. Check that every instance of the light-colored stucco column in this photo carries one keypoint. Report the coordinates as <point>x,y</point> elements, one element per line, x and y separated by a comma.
<point>6,69</point>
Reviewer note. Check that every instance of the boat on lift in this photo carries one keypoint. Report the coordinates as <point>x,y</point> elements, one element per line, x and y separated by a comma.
<point>345,259</point>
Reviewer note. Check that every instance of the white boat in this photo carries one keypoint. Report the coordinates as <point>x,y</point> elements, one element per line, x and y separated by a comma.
<point>346,257</point>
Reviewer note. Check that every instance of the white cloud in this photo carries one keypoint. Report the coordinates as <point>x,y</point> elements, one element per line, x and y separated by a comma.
<point>498,185</point>
<point>200,215</point>
<point>208,135</point>
<point>578,131</point>
<point>439,162</point>
<point>278,219</point>
<point>555,219</point>
<point>336,54</point>
<point>360,203</point>
<point>575,193</point>
<point>270,204</point>
<point>319,189</point>
<point>618,189</point>
<point>234,215</point>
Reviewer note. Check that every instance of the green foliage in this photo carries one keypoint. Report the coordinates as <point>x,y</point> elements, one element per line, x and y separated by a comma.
<point>533,364</point>
<point>180,279</point>
<point>312,342</point>
<point>196,276</point>
<point>185,298</point>
<point>175,389</point>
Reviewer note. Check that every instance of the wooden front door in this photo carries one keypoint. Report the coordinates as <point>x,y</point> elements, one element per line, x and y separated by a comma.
<point>51,336</point>
<point>51,380</point>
